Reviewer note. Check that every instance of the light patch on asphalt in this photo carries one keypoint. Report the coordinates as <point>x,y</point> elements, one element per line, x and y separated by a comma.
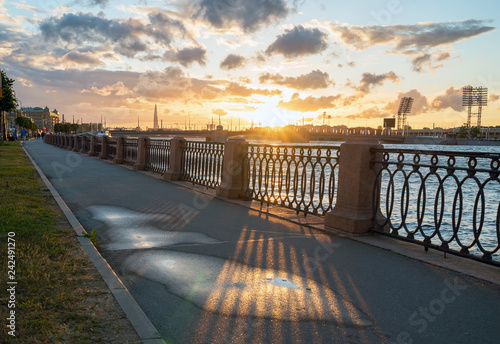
<point>127,229</point>
<point>280,282</point>
<point>235,289</point>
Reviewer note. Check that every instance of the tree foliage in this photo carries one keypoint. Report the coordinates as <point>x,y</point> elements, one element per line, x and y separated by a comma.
<point>66,127</point>
<point>8,101</point>
<point>463,133</point>
<point>25,122</point>
<point>475,132</point>
<point>471,133</point>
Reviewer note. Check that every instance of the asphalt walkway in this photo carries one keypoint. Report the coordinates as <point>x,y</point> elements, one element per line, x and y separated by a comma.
<point>205,270</point>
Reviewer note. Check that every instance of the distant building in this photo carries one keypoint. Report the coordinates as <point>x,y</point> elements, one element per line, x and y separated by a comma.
<point>42,117</point>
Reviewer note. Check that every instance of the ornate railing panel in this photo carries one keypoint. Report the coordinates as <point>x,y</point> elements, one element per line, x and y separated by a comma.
<point>111,146</point>
<point>157,155</point>
<point>202,163</point>
<point>78,143</point>
<point>130,151</point>
<point>87,145</point>
<point>97,146</point>
<point>296,177</point>
<point>444,200</point>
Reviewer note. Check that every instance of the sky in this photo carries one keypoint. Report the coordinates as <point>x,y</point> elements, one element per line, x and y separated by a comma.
<point>266,62</point>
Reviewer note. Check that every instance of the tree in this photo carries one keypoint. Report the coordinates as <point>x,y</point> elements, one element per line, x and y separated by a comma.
<point>8,102</point>
<point>33,126</point>
<point>22,121</point>
<point>463,133</point>
<point>475,132</point>
<point>27,123</point>
<point>65,127</point>
<point>471,133</point>
<point>57,127</point>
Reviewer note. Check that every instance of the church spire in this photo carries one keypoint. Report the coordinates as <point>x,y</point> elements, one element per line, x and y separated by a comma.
<point>155,120</point>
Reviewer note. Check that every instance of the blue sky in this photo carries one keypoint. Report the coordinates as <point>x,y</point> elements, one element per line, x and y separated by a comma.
<point>273,62</point>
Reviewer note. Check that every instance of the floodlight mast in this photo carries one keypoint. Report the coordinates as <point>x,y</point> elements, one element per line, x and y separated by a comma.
<point>404,110</point>
<point>474,96</point>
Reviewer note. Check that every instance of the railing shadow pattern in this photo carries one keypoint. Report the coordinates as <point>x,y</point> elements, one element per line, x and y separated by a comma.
<point>444,200</point>
<point>296,177</point>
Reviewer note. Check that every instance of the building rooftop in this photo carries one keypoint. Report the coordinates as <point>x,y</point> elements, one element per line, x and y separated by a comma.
<point>38,109</point>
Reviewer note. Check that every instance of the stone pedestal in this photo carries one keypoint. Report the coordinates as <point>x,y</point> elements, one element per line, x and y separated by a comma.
<point>92,145</point>
<point>175,160</point>
<point>84,141</point>
<point>141,154</point>
<point>75,144</point>
<point>353,211</point>
<point>119,150</point>
<point>104,147</point>
<point>235,173</point>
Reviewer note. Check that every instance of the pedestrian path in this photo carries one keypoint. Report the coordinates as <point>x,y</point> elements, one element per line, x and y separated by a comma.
<point>209,271</point>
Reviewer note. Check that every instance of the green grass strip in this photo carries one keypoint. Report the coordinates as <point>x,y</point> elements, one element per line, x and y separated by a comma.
<point>51,269</point>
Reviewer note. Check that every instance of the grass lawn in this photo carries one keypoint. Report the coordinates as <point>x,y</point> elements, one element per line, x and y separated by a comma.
<point>59,296</point>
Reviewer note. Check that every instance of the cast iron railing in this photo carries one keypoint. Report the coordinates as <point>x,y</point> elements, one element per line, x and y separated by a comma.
<point>111,145</point>
<point>449,201</point>
<point>87,144</point>
<point>97,146</point>
<point>157,155</point>
<point>78,143</point>
<point>130,151</point>
<point>202,163</point>
<point>296,177</point>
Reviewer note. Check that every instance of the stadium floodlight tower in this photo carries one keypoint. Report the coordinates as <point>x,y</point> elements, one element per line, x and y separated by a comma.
<point>404,110</point>
<point>474,96</point>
